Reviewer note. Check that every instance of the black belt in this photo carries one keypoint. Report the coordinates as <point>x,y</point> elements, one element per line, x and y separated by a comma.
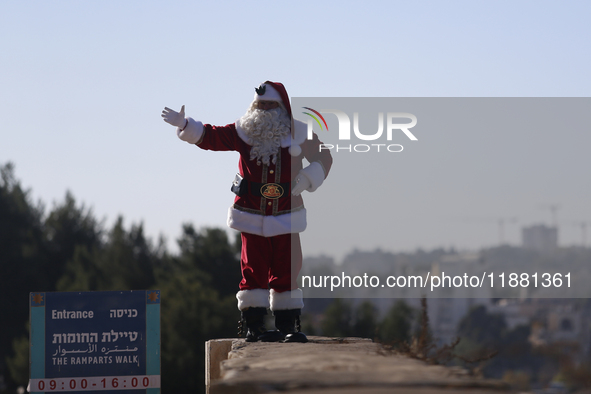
<point>271,190</point>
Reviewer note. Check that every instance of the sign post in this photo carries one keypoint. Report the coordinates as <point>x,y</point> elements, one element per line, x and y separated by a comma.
<point>95,341</point>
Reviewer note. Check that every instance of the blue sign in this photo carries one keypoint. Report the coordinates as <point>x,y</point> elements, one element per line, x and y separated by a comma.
<point>95,341</point>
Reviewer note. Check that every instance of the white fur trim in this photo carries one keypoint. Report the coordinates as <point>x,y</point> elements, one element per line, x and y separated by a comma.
<point>245,222</point>
<point>301,132</point>
<point>257,298</point>
<point>315,174</point>
<point>192,133</point>
<point>267,226</point>
<point>287,300</point>
<point>271,94</point>
<point>241,132</point>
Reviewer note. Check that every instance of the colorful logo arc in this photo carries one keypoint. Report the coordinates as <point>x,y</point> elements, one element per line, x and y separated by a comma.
<point>315,118</point>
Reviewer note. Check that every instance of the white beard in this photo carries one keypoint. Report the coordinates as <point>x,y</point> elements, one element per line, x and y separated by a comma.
<point>265,129</point>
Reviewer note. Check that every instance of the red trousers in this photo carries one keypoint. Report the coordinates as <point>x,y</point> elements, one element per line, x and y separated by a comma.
<point>270,262</point>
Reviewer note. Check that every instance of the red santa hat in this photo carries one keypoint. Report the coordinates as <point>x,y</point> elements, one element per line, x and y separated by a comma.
<point>275,91</point>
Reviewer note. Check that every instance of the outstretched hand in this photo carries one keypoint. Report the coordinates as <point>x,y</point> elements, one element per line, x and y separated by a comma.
<point>174,118</point>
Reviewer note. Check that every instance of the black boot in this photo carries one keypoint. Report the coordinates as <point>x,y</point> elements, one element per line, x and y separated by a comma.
<point>288,323</point>
<point>254,318</point>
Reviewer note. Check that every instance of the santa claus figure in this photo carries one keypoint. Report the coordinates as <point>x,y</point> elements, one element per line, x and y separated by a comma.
<point>268,209</point>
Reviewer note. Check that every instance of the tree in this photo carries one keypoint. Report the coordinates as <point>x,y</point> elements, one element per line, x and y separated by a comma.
<point>21,256</point>
<point>192,313</point>
<point>128,258</point>
<point>481,327</point>
<point>70,251</point>
<point>198,304</point>
<point>68,227</point>
<point>210,252</point>
<point>482,334</point>
<point>396,326</point>
<point>126,261</point>
<point>366,320</point>
<point>83,272</point>
<point>338,319</point>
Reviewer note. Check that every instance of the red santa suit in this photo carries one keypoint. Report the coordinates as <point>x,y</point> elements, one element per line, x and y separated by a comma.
<point>268,215</point>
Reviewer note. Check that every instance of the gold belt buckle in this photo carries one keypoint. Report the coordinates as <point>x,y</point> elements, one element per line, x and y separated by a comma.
<point>271,191</point>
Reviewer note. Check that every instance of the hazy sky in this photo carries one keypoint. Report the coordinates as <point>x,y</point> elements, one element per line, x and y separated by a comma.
<point>82,85</point>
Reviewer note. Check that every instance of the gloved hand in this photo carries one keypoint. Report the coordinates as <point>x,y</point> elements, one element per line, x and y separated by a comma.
<point>174,118</point>
<point>301,183</point>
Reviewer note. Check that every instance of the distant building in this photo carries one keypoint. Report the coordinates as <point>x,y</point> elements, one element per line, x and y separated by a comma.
<point>540,237</point>
<point>452,304</point>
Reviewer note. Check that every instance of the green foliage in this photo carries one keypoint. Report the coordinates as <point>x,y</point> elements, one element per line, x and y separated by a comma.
<point>338,319</point>
<point>210,253</point>
<point>125,261</point>
<point>366,320</point>
<point>192,313</point>
<point>21,257</point>
<point>19,364</point>
<point>481,333</point>
<point>396,326</point>
<point>82,272</point>
<point>69,250</point>
<point>67,227</point>
<point>481,327</point>
<point>341,319</point>
<point>198,303</point>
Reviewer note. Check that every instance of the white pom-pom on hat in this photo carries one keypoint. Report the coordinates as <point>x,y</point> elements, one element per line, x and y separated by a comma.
<point>295,150</point>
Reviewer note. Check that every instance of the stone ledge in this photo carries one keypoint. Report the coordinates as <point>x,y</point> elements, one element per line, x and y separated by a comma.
<point>330,365</point>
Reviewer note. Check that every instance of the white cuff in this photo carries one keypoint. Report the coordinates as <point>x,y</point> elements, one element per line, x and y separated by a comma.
<point>287,300</point>
<point>192,133</point>
<point>269,225</point>
<point>256,298</point>
<point>315,174</point>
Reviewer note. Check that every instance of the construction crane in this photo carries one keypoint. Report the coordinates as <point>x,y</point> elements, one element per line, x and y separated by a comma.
<point>553,209</point>
<point>500,221</point>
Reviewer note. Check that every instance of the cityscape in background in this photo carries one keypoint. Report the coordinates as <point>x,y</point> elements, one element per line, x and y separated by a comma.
<point>557,323</point>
